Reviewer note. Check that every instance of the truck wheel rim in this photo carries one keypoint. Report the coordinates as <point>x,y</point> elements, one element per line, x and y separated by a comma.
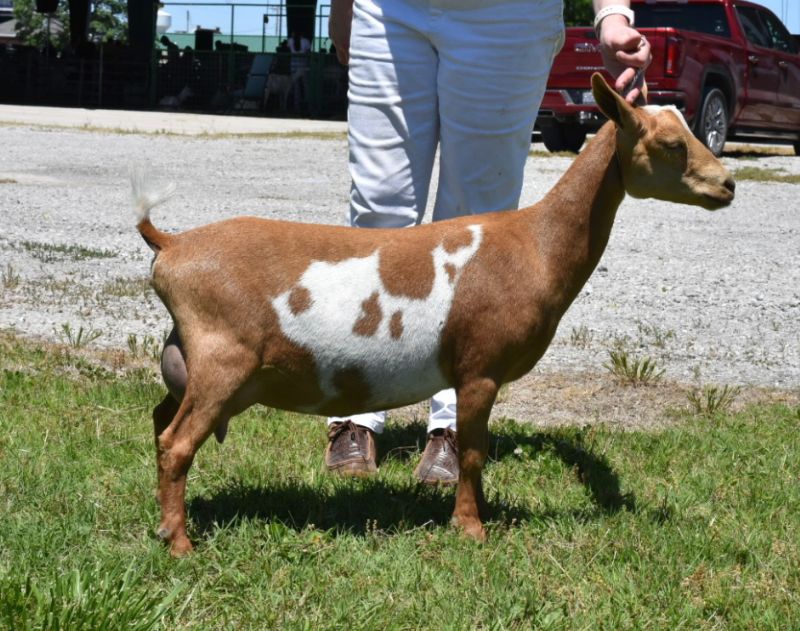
<point>715,124</point>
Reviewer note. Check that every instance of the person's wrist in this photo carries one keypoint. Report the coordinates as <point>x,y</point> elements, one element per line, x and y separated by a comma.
<point>613,14</point>
<point>611,23</point>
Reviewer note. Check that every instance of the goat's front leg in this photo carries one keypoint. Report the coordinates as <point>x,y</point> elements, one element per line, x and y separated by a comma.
<point>475,400</point>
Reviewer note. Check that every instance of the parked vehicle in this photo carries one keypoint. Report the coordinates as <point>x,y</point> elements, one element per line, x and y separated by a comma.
<point>730,66</point>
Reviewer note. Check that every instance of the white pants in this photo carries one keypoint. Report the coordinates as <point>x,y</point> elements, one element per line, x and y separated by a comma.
<point>464,75</point>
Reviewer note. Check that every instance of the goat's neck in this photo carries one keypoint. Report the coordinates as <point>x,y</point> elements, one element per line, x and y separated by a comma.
<point>572,224</point>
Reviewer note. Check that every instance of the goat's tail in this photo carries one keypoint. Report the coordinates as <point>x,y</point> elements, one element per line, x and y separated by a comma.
<point>145,198</point>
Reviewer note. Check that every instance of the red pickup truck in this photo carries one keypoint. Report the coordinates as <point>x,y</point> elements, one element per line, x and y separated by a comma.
<point>730,66</point>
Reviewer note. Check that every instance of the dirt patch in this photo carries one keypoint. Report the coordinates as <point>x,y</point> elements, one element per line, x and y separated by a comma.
<point>548,399</point>
<point>581,398</point>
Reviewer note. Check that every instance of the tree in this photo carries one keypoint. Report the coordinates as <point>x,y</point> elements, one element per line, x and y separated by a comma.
<point>32,25</point>
<point>107,21</point>
<point>578,12</point>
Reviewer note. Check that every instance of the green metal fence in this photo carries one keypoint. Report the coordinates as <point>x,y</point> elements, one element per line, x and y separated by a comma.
<point>210,68</point>
<point>206,70</point>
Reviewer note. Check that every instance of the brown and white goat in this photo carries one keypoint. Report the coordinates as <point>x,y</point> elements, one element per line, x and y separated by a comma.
<point>334,321</point>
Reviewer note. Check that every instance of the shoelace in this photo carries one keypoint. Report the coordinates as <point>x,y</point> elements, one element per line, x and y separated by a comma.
<point>449,438</point>
<point>341,428</point>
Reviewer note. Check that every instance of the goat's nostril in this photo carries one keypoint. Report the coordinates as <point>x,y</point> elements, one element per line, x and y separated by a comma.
<point>730,184</point>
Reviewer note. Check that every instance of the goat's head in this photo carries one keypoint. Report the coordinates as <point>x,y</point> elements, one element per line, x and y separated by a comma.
<point>660,156</point>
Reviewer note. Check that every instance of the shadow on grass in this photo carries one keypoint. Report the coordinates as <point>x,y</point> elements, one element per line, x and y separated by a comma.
<point>358,505</point>
<point>352,506</point>
<point>592,470</point>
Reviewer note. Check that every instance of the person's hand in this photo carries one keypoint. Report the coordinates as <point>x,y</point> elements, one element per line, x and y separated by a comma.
<point>626,54</point>
<point>339,24</point>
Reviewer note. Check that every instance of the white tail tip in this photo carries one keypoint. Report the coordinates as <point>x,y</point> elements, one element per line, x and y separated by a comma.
<point>145,195</point>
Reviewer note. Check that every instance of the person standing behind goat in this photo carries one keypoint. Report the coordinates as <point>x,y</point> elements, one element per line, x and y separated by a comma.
<point>466,76</point>
<point>299,46</point>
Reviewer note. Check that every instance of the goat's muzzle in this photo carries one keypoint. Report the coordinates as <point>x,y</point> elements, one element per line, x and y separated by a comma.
<point>720,196</point>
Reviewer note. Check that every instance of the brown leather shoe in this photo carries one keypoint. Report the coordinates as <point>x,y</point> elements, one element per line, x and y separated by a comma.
<point>351,449</point>
<point>439,463</point>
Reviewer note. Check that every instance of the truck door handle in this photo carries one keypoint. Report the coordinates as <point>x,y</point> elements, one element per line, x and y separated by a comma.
<point>753,59</point>
<point>783,65</point>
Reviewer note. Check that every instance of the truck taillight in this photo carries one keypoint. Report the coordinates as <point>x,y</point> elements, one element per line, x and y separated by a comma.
<point>673,59</point>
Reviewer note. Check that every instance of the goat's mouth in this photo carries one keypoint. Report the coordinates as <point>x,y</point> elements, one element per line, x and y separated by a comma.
<point>721,195</point>
<point>714,201</point>
<point>713,193</point>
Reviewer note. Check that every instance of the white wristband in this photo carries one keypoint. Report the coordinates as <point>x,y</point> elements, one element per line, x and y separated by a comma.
<point>614,9</point>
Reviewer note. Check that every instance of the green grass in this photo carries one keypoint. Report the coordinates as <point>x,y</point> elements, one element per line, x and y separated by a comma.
<point>9,277</point>
<point>581,336</point>
<point>633,370</point>
<point>146,346</point>
<point>52,252</point>
<point>120,287</point>
<point>78,338</point>
<point>652,334</point>
<point>712,399</point>
<point>758,174</point>
<point>694,527</point>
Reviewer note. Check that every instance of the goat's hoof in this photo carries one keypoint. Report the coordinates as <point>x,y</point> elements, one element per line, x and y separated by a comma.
<point>163,533</point>
<point>470,527</point>
<point>180,547</point>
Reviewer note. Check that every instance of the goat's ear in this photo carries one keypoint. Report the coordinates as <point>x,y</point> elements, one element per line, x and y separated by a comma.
<point>613,105</point>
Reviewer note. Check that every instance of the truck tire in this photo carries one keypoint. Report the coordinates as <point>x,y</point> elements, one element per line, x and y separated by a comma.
<point>713,120</point>
<point>797,148</point>
<point>563,137</point>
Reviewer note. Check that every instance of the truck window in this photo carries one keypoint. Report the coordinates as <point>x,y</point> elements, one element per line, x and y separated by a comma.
<point>753,29</point>
<point>699,18</point>
<point>779,36</point>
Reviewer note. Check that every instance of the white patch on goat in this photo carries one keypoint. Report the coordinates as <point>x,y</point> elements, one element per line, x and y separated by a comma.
<point>396,369</point>
<point>654,110</point>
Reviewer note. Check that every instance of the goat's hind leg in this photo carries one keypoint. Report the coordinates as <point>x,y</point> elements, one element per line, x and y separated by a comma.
<point>209,400</point>
<point>176,447</point>
<point>173,370</point>
<point>163,414</point>
<point>176,375</point>
<point>475,400</point>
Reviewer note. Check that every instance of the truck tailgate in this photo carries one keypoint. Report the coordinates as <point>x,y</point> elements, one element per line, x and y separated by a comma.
<point>568,87</point>
<point>580,57</point>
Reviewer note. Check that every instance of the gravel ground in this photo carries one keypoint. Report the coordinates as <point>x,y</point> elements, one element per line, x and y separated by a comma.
<point>713,297</point>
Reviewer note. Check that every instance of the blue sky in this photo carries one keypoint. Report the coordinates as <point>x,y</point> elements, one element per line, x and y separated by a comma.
<point>247,17</point>
<point>787,10</point>
<point>248,20</point>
